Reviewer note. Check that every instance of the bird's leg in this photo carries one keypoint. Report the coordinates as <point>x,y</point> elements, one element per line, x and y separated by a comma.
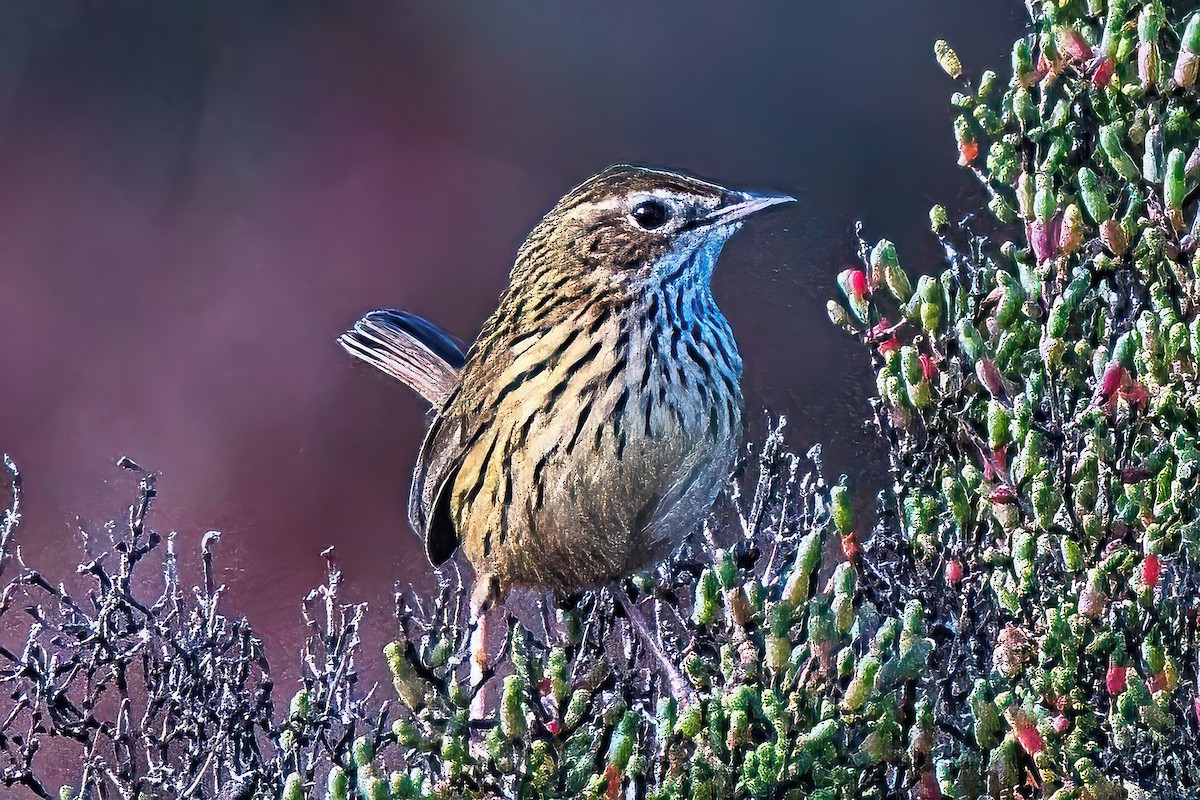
<point>547,605</point>
<point>484,598</point>
<point>678,685</point>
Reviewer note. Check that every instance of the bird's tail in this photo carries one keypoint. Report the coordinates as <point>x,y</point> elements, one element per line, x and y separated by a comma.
<point>414,351</point>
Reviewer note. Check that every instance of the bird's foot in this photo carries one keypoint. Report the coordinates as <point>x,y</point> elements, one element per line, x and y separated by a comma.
<point>550,627</point>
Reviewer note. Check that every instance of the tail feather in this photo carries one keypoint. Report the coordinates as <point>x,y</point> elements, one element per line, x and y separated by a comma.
<point>414,351</point>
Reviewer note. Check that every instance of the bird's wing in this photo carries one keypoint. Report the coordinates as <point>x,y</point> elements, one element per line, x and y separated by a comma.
<point>464,418</point>
<point>437,465</point>
<point>413,350</point>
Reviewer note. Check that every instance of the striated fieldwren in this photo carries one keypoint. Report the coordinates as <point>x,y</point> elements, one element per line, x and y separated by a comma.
<point>593,421</point>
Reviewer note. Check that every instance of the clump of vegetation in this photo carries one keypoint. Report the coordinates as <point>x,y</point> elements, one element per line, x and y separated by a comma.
<point>1041,401</point>
<point>120,695</point>
<point>1022,622</point>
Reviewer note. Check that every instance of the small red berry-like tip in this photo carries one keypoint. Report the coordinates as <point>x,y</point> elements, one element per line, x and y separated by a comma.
<point>989,376</point>
<point>1003,493</point>
<point>850,546</point>
<point>1116,679</point>
<point>1102,71</point>
<point>1114,377</point>
<point>1151,570</point>
<point>967,153</point>
<point>928,368</point>
<point>612,780</point>
<point>858,282</point>
<point>1043,237</point>
<point>1136,395</point>
<point>1072,44</point>
<point>889,346</point>
<point>1029,738</point>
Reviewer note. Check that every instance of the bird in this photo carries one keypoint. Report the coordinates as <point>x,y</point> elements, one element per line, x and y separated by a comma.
<point>590,426</point>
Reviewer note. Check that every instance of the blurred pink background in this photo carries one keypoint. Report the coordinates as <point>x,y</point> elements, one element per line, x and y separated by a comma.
<point>196,198</point>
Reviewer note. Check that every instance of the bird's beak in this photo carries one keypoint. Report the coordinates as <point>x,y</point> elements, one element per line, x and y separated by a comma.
<point>736,206</point>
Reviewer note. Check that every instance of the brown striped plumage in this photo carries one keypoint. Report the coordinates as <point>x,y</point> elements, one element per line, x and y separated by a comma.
<point>597,413</point>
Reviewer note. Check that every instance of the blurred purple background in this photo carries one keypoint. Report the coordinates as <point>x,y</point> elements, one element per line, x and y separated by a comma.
<point>196,198</point>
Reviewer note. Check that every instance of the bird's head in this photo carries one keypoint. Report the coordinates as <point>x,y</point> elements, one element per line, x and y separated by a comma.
<point>632,224</point>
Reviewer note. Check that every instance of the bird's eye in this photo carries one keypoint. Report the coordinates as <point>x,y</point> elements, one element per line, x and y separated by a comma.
<point>650,214</point>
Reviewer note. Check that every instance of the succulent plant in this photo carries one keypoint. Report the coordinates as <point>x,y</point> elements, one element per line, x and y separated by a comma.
<point>1046,466</point>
